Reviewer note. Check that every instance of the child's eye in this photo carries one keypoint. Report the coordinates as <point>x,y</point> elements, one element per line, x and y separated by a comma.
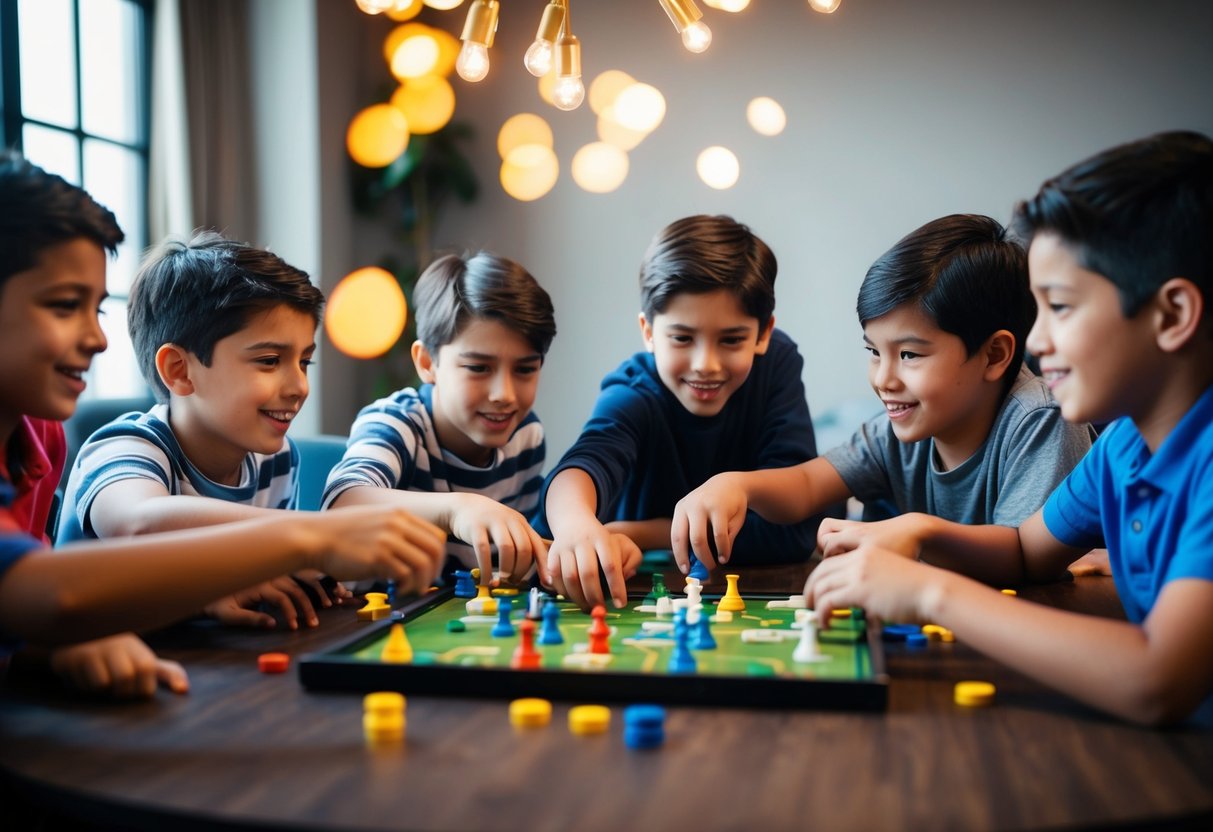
<point>1058,308</point>
<point>733,341</point>
<point>307,362</point>
<point>65,306</point>
<point>267,361</point>
<point>528,369</point>
<point>681,339</point>
<point>872,351</point>
<point>906,355</point>
<point>476,368</point>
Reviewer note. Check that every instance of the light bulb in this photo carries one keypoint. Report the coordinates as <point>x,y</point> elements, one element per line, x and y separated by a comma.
<point>825,6</point>
<point>697,37</point>
<point>569,92</point>
<point>473,61</point>
<point>538,59</point>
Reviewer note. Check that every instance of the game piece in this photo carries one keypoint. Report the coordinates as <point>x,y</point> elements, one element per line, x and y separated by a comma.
<point>699,570</point>
<point>465,587</point>
<point>456,626</point>
<point>526,657</point>
<point>973,694</point>
<point>916,640</point>
<point>504,591</point>
<point>701,635</point>
<point>681,659</point>
<point>732,601</point>
<point>898,632</point>
<point>665,605</point>
<point>483,603</point>
<point>534,604</point>
<point>550,632</point>
<point>658,589</point>
<point>694,594</point>
<point>589,719</point>
<point>383,718</point>
<point>807,649</point>
<point>376,608</point>
<point>503,628</point>
<point>794,602</point>
<point>273,662</point>
<point>722,616</point>
<point>391,592</point>
<point>530,713</point>
<point>599,633</point>
<point>644,726</point>
<point>1010,592</point>
<point>841,613</point>
<point>397,650</point>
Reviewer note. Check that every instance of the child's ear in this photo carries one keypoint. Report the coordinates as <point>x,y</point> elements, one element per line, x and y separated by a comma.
<point>998,351</point>
<point>1180,310</point>
<point>764,337</point>
<point>424,362</point>
<point>646,332</point>
<point>173,366</point>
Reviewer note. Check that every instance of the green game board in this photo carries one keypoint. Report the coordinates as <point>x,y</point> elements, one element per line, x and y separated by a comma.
<point>737,672</point>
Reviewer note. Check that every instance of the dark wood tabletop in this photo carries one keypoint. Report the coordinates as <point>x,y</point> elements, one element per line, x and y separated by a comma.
<point>247,749</point>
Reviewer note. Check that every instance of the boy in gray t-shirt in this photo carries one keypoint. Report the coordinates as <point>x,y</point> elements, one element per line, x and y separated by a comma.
<point>968,433</point>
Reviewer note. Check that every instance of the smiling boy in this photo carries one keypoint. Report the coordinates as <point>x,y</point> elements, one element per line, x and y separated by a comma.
<point>967,432</point>
<point>718,388</point>
<point>464,451</point>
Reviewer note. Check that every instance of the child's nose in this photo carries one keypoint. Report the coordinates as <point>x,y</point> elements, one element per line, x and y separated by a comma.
<point>705,360</point>
<point>94,340</point>
<point>885,375</point>
<point>1037,341</point>
<point>503,388</point>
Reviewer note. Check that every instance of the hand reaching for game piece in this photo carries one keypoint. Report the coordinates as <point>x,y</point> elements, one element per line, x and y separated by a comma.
<point>285,593</point>
<point>900,535</point>
<point>121,666</point>
<point>375,541</point>
<point>574,560</point>
<point>885,584</point>
<point>484,523</point>
<point>710,516</point>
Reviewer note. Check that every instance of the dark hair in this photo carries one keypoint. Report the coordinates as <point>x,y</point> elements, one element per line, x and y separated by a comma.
<point>963,271</point>
<point>702,254</point>
<point>1139,214</point>
<point>454,289</point>
<point>196,293</point>
<point>39,210</point>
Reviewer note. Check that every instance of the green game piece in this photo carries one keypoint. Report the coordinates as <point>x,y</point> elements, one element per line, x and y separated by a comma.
<point>659,589</point>
<point>424,658</point>
<point>455,626</point>
<point>759,669</point>
<point>857,613</point>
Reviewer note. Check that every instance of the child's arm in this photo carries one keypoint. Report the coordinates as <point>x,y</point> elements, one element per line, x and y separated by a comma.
<point>88,590</point>
<point>1155,673</point>
<point>121,666</point>
<point>581,544</point>
<point>714,512</point>
<point>479,521</point>
<point>646,534</point>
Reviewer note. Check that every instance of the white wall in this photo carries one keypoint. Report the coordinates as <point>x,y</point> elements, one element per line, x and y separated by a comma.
<point>898,112</point>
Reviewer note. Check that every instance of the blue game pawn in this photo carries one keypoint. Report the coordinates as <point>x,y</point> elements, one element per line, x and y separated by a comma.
<point>698,570</point>
<point>549,633</point>
<point>681,660</point>
<point>503,628</point>
<point>465,587</point>
<point>701,634</point>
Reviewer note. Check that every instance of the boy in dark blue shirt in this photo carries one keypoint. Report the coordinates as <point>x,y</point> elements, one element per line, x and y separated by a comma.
<point>718,389</point>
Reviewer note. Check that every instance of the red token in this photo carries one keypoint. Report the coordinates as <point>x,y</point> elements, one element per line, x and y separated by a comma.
<point>273,662</point>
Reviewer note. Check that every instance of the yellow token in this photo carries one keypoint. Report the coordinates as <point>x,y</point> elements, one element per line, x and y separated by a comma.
<point>1009,592</point>
<point>589,719</point>
<point>530,713</point>
<point>947,635</point>
<point>384,702</point>
<point>505,590</point>
<point>973,693</point>
<point>933,631</point>
<point>840,613</point>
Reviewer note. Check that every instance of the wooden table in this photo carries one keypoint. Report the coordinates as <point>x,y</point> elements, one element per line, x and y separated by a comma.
<point>247,749</point>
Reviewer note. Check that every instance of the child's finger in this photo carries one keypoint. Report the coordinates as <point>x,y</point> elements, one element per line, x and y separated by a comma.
<point>172,675</point>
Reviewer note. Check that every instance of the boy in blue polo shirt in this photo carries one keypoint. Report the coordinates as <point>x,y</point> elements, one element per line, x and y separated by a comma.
<point>1121,265</point>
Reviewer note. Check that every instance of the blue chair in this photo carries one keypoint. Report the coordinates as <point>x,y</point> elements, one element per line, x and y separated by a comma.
<point>317,456</point>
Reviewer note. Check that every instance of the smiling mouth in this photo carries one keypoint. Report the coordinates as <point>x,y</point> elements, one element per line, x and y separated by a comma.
<point>896,410</point>
<point>72,372</point>
<point>497,418</point>
<point>280,415</point>
<point>1052,377</point>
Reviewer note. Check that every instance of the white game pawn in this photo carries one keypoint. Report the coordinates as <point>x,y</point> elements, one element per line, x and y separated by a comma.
<point>694,594</point>
<point>534,612</point>
<point>665,606</point>
<point>807,649</point>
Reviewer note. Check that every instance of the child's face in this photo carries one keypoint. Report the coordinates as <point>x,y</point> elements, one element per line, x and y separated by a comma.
<point>49,331</point>
<point>1096,361</point>
<point>246,399</point>
<point>929,386</point>
<point>484,386</point>
<point>704,347</point>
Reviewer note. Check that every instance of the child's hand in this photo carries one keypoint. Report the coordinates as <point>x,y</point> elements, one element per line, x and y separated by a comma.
<point>376,542</point>
<point>901,534</point>
<point>240,608</point>
<point>1094,562</point>
<point>121,666</point>
<point>711,514</point>
<point>573,563</point>
<point>883,583</point>
<point>483,523</point>
<point>327,590</point>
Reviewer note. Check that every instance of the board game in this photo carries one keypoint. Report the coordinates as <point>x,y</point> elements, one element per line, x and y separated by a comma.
<point>742,670</point>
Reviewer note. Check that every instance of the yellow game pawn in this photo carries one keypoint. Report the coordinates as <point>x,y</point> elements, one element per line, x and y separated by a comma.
<point>397,650</point>
<point>732,601</point>
<point>376,607</point>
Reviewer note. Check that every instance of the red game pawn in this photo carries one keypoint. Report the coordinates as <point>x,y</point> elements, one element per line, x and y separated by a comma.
<point>599,633</point>
<point>526,657</point>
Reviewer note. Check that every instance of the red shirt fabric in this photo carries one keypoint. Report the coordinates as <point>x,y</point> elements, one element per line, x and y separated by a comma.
<point>42,449</point>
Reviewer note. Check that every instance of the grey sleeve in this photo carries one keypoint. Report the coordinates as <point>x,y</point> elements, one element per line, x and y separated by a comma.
<point>1039,453</point>
<point>862,462</point>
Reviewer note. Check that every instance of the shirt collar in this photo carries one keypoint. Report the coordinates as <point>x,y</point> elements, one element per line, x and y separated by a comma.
<point>1167,469</point>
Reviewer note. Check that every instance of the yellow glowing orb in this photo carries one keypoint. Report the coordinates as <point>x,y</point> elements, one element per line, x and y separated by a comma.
<point>399,35</point>
<point>448,52</point>
<point>718,168</point>
<point>443,5</point>
<point>825,6</point>
<point>529,171</point>
<point>375,6</point>
<point>377,136</point>
<point>733,6</point>
<point>404,10</point>
<point>640,107</point>
<point>427,102</point>
<point>366,313</point>
<point>606,88</point>
<point>415,57</point>
<point>612,132</point>
<point>524,128</point>
<point>600,167</point>
<point>766,116</point>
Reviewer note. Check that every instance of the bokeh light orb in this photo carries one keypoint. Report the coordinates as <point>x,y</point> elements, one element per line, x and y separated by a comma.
<point>448,51</point>
<point>529,172</point>
<point>375,6</point>
<point>718,167</point>
<point>366,313</point>
<point>640,107</point>
<point>766,116</point>
<point>377,136</point>
<point>599,167</point>
<point>427,102</point>
<point>416,56</point>
<point>443,5</point>
<point>825,6</point>
<point>547,86</point>
<point>612,132</point>
<point>605,88</point>
<point>404,10</point>
<point>399,35</point>
<point>733,6</point>
<point>524,128</point>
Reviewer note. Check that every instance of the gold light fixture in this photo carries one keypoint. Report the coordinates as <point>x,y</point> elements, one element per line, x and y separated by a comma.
<point>538,58</point>
<point>478,31</point>
<point>688,20</point>
<point>569,91</point>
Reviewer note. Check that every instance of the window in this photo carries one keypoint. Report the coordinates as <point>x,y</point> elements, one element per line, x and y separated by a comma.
<point>76,86</point>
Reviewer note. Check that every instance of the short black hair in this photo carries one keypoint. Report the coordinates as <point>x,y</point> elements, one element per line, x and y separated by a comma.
<point>701,254</point>
<point>40,209</point>
<point>195,293</point>
<point>454,289</point>
<point>965,272</point>
<point>1139,214</point>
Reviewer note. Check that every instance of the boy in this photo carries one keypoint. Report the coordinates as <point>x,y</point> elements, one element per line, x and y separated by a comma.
<point>53,241</point>
<point>1121,264</point>
<point>718,389</point>
<point>465,452</point>
<point>968,433</point>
